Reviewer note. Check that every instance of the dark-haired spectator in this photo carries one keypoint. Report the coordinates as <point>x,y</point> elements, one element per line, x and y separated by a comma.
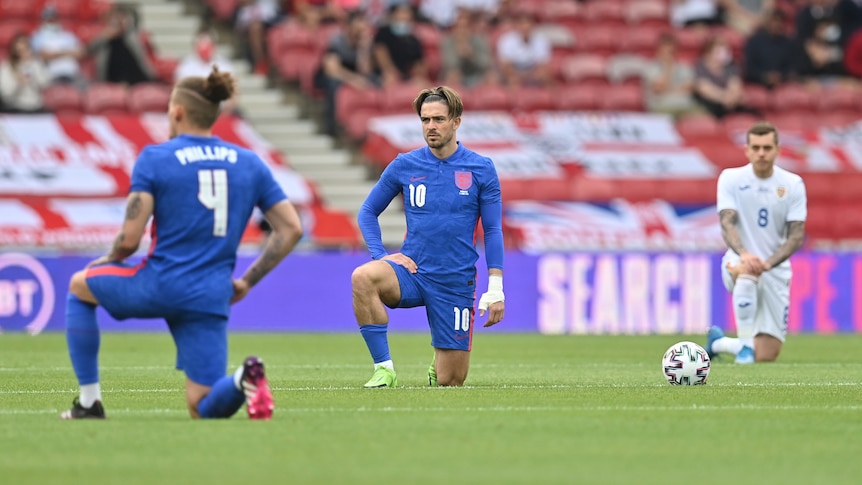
<point>685,13</point>
<point>253,19</point>
<point>22,78</point>
<point>771,55</point>
<point>823,55</point>
<point>717,85</point>
<point>812,12</point>
<point>524,53</point>
<point>120,51</point>
<point>397,52</point>
<point>312,13</point>
<point>60,49</point>
<point>466,53</point>
<point>668,83</point>
<point>849,15</point>
<point>347,60</point>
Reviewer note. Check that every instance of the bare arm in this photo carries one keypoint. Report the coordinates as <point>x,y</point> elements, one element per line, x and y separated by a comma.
<point>286,232</point>
<point>795,238</point>
<point>729,219</point>
<point>139,208</point>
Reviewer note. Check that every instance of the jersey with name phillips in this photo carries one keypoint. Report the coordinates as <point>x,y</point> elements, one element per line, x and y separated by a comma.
<point>764,206</point>
<point>204,190</point>
<point>443,200</point>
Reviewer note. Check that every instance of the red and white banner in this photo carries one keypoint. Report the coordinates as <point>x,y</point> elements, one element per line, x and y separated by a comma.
<point>543,144</point>
<point>567,226</point>
<point>63,180</point>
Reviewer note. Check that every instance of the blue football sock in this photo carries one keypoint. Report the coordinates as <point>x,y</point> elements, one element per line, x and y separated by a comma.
<point>377,341</point>
<point>223,401</point>
<point>82,337</point>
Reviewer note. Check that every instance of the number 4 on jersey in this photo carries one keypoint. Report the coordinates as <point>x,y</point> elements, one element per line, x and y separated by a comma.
<point>212,193</point>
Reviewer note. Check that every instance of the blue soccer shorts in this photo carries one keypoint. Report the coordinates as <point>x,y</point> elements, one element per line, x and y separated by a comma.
<point>132,292</point>
<point>450,315</point>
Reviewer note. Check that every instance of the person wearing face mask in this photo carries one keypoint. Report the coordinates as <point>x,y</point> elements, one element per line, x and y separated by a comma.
<point>717,85</point>
<point>120,51</point>
<point>200,62</point>
<point>397,52</point>
<point>60,49</point>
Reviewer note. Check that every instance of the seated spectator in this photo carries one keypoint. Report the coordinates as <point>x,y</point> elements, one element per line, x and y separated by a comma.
<point>22,78</point>
<point>466,54</point>
<point>849,15</point>
<point>200,62</point>
<point>717,85</point>
<point>823,56</point>
<point>253,19</point>
<point>59,49</point>
<point>312,13</point>
<point>772,56</point>
<point>746,15</point>
<point>685,13</point>
<point>397,52</point>
<point>668,83</point>
<point>524,53</point>
<point>120,51</point>
<point>347,60</point>
<point>813,11</point>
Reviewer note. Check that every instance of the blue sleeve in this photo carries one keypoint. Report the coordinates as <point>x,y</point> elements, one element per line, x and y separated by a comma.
<point>271,192</point>
<point>491,211</point>
<point>144,173</point>
<point>381,195</point>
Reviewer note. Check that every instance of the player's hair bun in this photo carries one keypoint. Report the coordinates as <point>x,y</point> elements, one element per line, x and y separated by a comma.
<point>219,86</point>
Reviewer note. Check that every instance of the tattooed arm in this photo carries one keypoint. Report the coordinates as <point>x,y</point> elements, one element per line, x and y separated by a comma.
<point>286,232</point>
<point>730,233</point>
<point>795,238</point>
<point>139,208</point>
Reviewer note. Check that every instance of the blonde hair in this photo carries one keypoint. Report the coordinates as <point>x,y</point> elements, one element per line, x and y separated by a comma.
<point>440,94</point>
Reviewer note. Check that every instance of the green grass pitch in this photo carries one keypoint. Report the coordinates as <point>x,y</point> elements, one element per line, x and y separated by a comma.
<point>537,410</point>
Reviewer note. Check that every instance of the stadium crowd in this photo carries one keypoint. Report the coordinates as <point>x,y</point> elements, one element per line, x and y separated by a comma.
<point>683,57</point>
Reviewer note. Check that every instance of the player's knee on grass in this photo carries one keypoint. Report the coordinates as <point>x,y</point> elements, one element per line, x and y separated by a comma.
<point>451,379</point>
<point>766,348</point>
<point>195,393</point>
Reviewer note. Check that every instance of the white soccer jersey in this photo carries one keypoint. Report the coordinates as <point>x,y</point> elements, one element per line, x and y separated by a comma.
<point>764,206</point>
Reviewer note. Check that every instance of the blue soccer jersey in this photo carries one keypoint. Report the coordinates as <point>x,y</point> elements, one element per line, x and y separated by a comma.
<point>443,200</point>
<point>204,190</point>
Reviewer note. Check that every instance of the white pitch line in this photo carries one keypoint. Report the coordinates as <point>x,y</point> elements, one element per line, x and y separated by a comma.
<point>504,386</point>
<point>474,409</point>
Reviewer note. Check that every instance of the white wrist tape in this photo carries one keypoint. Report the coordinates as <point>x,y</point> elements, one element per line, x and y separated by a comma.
<point>494,293</point>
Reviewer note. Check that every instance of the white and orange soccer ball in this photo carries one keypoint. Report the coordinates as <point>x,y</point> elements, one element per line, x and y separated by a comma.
<point>685,364</point>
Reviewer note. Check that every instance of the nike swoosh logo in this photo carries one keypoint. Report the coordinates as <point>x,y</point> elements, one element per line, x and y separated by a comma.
<point>416,179</point>
<point>744,187</point>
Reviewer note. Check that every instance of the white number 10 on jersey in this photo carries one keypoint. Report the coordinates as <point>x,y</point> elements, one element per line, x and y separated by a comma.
<point>212,193</point>
<point>462,319</point>
<point>417,195</point>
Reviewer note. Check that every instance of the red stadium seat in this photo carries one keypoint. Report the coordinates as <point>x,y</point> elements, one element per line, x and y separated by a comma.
<point>290,62</point>
<point>606,13</point>
<point>333,228</point>
<point>648,12</point>
<point>579,98</point>
<point>595,189</point>
<point>757,97</point>
<point>580,68</point>
<point>290,36</point>
<point>821,187</point>
<point>88,31</point>
<point>835,99</point>
<point>846,188</point>
<point>641,39</point>
<point>399,98</point>
<point>839,119</point>
<point>699,126</point>
<point>356,126</point>
<point>106,98</point>
<point>533,99</point>
<point>847,223</point>
<point>149,98</point>
<point>562,12</point>
<point>550,189</point>
<point>21,9</point>
<point>165,68</point>
<point>599,39</point>
<point>488,97</point>
<point>623,98</point>
<point>9,29</point>
<point>738,124</point>
<point>349,99</point>
<point>69,9</point>
<point>792,121</point>
<point>793,97</point>
<point>820,222</point>
<point>515,189</point>
<point>62,99</point>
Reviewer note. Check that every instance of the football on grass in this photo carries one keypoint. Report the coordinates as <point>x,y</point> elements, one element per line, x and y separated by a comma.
<point>685,364</point>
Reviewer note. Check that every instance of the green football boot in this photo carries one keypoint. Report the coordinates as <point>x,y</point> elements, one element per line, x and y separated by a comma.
<point>382,377</point>
<point>432,373</point>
